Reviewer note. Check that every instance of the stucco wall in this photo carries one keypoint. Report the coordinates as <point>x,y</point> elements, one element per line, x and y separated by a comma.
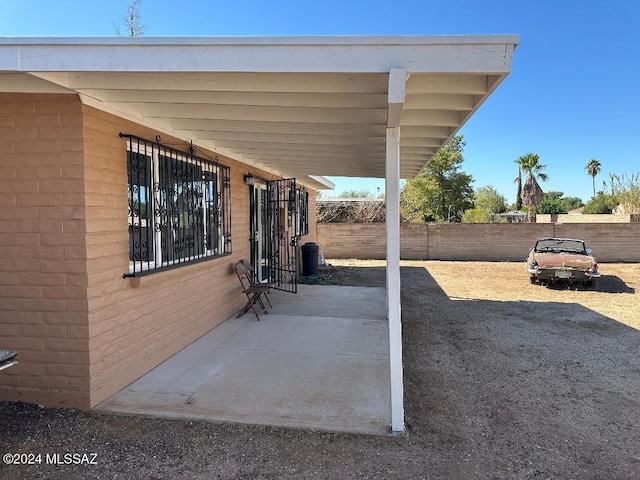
<point>43,271</point>
<point>491,242</point>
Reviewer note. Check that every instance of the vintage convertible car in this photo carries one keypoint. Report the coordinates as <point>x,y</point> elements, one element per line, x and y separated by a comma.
<point>561,259</point>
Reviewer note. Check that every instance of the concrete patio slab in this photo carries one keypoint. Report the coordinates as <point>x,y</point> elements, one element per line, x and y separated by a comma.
<point>319,360</point>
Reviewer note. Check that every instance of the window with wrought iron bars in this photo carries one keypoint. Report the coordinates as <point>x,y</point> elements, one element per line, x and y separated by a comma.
<point>179,207</point>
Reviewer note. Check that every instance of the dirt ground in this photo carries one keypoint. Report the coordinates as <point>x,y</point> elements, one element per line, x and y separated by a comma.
<point>503,380</point>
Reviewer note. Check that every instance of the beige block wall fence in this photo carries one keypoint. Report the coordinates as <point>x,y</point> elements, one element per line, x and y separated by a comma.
<point>82,331</point>
<point>591,218</point>
<point>614,242</point>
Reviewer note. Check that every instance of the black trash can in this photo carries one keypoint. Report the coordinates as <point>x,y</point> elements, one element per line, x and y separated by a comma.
<point>310,259</point>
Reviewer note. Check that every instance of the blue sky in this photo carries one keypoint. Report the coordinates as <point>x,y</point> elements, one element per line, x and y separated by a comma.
<point>573,94</point>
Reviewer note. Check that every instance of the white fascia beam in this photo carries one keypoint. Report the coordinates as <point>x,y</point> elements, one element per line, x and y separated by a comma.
<point>397,88</point>
<point>429,54</point>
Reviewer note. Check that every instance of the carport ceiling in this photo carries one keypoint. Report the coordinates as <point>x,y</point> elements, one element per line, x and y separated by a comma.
<point>295,106</point>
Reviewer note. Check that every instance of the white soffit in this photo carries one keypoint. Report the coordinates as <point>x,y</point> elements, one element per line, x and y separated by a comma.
<point>298,106</point>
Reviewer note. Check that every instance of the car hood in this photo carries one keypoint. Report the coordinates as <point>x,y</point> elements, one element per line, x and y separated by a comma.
<point>571,260</point>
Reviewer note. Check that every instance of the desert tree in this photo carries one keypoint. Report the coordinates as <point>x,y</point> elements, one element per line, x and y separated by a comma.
<point>556,202</point>
<point>133,26</point>
<point>602,202</point>
<point>552,203</point>
<point>350,211</point>
<point>355,194</point>
<point>441,192</point>
<point>486,203</point>
<point>488,198</point>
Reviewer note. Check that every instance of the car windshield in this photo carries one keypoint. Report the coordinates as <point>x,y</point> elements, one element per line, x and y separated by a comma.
<point>560,245</point>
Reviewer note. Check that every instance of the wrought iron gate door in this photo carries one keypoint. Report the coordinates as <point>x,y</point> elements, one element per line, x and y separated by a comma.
<point>281,241</point>
<point>254,219</point>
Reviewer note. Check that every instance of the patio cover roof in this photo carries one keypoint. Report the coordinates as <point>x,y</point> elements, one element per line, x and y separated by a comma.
<point>295,106</point>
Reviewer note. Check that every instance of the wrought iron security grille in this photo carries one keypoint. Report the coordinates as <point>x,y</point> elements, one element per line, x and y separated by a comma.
<point>278,216</point>
<point>179,207</point>
<point>282,242</point>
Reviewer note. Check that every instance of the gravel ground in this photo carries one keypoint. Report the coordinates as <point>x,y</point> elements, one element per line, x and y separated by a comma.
<point>503,380</point>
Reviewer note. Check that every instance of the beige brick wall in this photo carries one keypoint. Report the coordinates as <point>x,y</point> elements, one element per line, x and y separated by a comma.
<point>490,242</point>
<point>311,237</point>
<point>588,218</point>
<point>84,332</point>
<point>135,324</point>
<point>43,277</point>
<point>351,240</point>
<point>414,241</point>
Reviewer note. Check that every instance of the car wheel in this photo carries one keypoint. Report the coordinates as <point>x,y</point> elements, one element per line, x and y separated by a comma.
<point>590,283</point>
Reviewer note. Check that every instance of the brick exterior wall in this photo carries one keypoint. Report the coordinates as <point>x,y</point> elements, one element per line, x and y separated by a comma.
<point>312,218</point>
<point>489,242</point>
<point>137,323</point>
<point>82,331</point>
<point>43,271</point>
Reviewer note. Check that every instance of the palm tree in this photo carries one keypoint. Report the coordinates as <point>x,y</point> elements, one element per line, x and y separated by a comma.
<point>593,168</point>
<point>532,195</point>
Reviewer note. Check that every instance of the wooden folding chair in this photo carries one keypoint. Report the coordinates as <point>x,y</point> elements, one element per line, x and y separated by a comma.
<point>255,292</point>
